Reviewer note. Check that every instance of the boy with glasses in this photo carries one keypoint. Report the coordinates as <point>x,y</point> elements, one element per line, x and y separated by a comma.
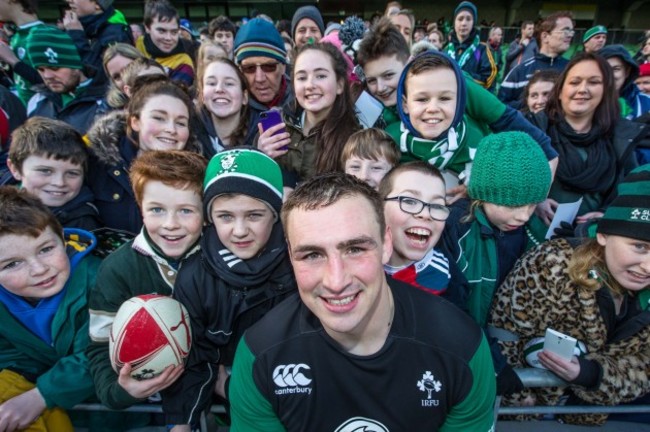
<point>261,56</point>
<point>415,210</point>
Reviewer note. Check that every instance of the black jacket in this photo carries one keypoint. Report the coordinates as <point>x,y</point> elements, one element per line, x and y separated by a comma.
<point>79,113</point>
<point>222,305</point>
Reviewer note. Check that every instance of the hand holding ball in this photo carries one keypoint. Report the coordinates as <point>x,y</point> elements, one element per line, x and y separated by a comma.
<point>151,332</point>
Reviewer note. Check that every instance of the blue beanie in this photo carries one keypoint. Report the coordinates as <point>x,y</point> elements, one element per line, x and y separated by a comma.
<point>470,7</point>
<point>259,38</point>
<point>461,97</point>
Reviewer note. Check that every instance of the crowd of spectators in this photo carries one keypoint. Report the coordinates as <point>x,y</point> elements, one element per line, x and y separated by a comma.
<point>296,185</point>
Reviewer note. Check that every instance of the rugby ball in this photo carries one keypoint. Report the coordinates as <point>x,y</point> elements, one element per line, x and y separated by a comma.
<point>151,332</point>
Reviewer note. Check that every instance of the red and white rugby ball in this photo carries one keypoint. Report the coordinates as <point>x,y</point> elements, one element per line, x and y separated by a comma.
<point>151,332</point>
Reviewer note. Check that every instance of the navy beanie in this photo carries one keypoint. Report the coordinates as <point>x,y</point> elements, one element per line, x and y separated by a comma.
<point>259,38</point>
<point>311,13</point>
<point>470,7</point>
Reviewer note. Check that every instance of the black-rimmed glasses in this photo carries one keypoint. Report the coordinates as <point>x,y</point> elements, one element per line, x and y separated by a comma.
<point>414,206</point>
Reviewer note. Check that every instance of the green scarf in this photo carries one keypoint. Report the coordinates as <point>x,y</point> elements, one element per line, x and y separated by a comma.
<point>454,152</point>
<point>390,115</point>
<point>451,51</point>
<point>479,262</point>
<point>644,298</point>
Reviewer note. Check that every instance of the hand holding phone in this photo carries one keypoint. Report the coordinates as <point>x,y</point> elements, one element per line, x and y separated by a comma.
<point>271,118</point>
<point>559,344</point>
<point>268,143</point>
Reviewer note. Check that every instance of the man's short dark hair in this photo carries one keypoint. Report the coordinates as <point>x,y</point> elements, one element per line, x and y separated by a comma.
<point>221,23</point>
<point>161,9</point>
<point>327,189</point>
<point>383,39</point>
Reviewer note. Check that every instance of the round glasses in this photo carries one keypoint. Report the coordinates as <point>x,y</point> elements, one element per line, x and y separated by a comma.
<point>414,206</point>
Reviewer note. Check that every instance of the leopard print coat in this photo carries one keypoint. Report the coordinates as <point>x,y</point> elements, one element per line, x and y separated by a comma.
<point>537,294</point>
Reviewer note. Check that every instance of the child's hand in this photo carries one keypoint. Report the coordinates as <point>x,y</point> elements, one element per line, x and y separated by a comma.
<point>546,210</point>
<point>588,216</point>
<point>19,412</point>
<point>456,193</point>
<point>273,145</point>
<point>145,388</point>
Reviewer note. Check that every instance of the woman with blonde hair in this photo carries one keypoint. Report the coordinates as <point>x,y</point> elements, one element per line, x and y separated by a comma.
<point>596,292</point>
<point>116,57</point>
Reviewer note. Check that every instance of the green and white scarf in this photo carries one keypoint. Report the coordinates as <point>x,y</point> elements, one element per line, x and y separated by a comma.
<point>439,153</point>
<point>451,51</point>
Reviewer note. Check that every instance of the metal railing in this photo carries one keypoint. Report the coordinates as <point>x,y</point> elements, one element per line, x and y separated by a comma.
<point>531,377</point>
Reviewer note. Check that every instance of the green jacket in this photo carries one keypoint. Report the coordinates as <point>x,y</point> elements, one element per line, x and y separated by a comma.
<point>136,268</point>
<point>61,370</point>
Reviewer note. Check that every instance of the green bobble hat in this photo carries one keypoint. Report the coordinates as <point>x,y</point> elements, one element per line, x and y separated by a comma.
<point>50,47</point>
<point>259,38</point>
<point>593,32</point>
<point>243,171</point>
<point>509,169</point>
<point>470,7</point>
<point>629,214</point>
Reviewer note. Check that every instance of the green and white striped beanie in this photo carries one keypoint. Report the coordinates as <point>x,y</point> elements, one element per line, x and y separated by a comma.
<point>243,171</point>
<point>50,47</point>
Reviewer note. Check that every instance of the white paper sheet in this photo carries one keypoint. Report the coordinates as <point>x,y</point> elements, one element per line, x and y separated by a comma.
<point>566,212</point>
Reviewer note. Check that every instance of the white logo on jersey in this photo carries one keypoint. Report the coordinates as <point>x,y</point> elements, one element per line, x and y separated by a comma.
<point>361,424</point>
<point>291,378</point>
<point>290,375</point>
<point>428,383</point>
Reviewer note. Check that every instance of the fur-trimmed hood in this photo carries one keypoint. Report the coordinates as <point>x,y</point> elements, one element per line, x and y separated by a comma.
<point>107,133</point>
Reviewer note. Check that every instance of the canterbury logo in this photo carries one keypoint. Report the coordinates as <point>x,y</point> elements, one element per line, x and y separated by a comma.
<point>291,375</point>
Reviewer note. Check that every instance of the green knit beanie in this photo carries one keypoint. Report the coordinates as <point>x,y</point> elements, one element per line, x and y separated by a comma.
<point>243,171</point>
<point>48,46</point>
<point>509,169</point>
<point>593,32</point>
<point>629,214</point>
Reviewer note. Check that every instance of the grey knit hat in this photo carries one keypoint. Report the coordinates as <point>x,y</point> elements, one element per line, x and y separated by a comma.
<point>311,13</point>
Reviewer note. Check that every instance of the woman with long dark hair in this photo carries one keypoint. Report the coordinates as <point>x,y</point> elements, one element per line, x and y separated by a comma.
<point>595,145</point>
<point>324,118</point>
<point>223,115</point>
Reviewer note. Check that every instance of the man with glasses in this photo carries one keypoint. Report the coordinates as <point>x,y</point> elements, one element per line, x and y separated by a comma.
<point>260,53</point>
<point>553,37</point>
<point>383,354</point>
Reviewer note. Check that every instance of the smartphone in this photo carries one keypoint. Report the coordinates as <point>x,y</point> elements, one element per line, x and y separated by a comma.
<point>271,118</point>
<point>559,343</point>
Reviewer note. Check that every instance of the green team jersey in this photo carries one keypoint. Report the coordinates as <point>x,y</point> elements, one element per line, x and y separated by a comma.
<point>19,46</point>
